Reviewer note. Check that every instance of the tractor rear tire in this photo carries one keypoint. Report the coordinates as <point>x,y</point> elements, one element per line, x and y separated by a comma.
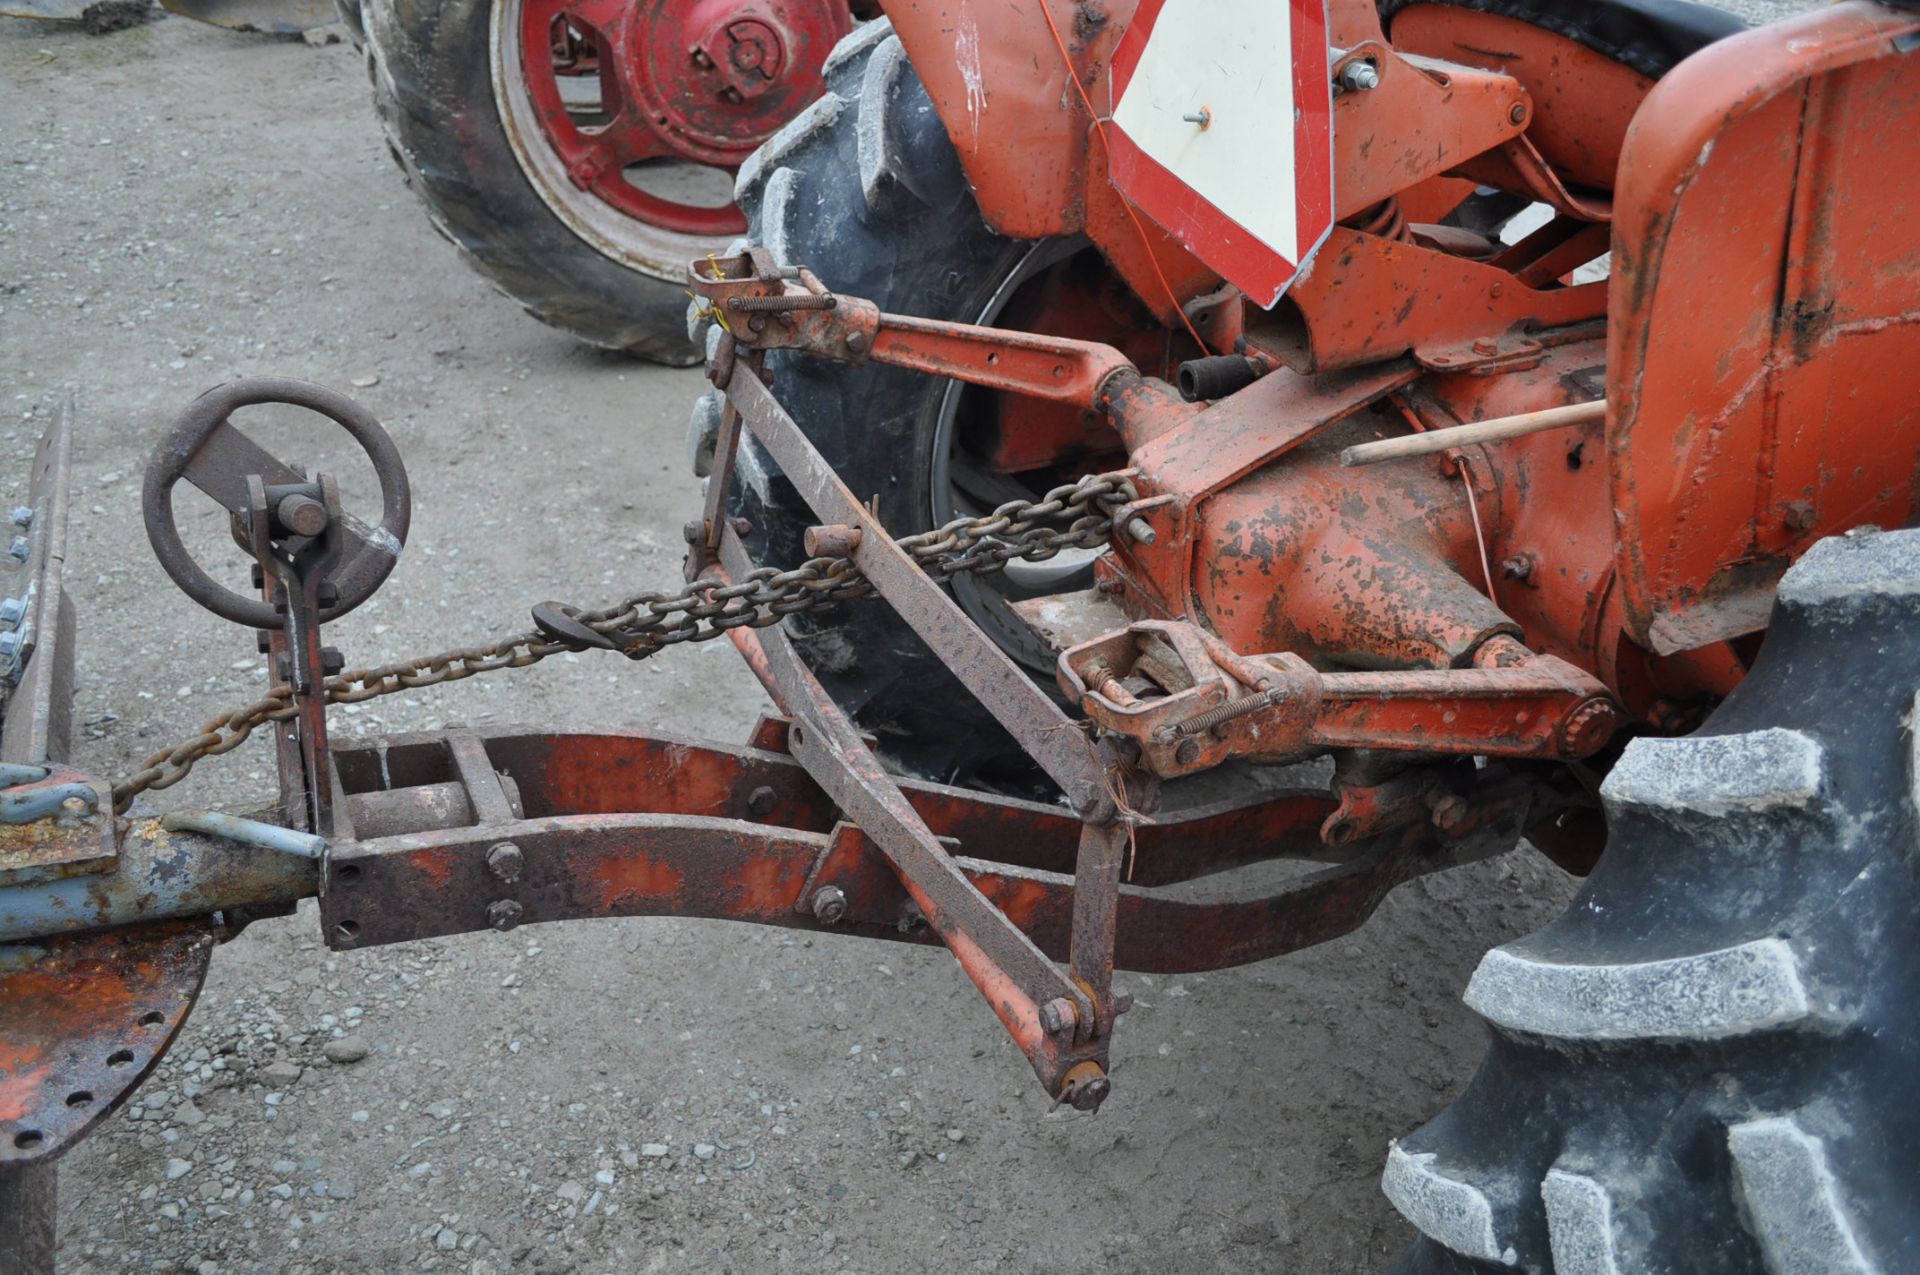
<point>1706,1065</point>
<point>865,187</point>
<point>431,66</point>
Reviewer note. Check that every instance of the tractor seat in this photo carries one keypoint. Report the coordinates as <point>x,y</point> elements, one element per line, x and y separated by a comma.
<point>1651,36</point>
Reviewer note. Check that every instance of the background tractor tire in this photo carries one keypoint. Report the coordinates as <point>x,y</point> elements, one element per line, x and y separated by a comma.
<point>864,187</point>
<point>1706,1066</point>
<point>433,88</point>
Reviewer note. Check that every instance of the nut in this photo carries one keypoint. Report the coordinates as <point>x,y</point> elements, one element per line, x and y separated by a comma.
<point>1589,726</point>
<point>829,905</point>
<point>1359,75</point>
<point>505,861</point>
<point>504,914</point>
<point>760,802</point>
<point>1187,753</point>
<point>1058,1017</point>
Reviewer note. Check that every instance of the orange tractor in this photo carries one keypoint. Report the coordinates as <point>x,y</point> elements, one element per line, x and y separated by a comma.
<point>1361,435</point>
<point>1476,372</point>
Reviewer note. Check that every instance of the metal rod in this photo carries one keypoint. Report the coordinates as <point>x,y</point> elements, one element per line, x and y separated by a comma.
<point>1493,431</point>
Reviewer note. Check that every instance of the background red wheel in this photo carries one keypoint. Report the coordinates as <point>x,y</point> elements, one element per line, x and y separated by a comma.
<point>580,152</point>
<point>629,93</point>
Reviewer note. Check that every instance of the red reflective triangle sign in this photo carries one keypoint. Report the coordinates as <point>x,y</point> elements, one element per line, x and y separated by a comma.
<point>1223,132</point>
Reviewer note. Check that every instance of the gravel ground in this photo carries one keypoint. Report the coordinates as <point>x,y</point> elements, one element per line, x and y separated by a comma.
<point>180,205</point>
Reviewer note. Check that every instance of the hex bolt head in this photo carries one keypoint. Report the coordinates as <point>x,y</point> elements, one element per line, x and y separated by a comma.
<point>829,905</point>
<point>504,914</point>
<point>12,611</point>
<point>332,660</point>
<point>1449,810</point>
<point>18,548</point>
<point>1187,753</point>
<point>23,516</point>
<point>1058,1017</point>
<point>505,861</point>
<point>760,802</point>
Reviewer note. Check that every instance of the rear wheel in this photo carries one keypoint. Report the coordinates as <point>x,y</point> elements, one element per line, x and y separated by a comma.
<point>580,152</point>
<point>1706,1065</point>
<point>866,189</point>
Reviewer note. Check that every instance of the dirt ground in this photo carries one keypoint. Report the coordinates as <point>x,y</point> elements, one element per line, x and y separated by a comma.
<point>180,205</point>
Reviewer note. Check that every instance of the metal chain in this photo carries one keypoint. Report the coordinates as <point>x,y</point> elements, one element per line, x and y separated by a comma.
<point>647,623</point>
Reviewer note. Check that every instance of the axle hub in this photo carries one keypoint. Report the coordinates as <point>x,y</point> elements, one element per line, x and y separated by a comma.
<point>706,82</point>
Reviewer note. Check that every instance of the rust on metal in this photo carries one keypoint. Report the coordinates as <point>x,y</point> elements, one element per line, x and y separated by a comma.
<point>83,1019</point>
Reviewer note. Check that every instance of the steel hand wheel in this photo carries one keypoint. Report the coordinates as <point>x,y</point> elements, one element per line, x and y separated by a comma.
<point>208,452</point>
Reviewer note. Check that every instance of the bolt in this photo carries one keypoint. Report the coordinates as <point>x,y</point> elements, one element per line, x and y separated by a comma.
<point>1058,1017</point>
<point>1122,1002</point>
<point>1359,76</point>
<point>856,342</point>
<point>18,548</point>
<point>23,516</point>
<point>702,60</point>
<point>1486,345</point>
<point>1142,530</point>
<point>1519,113</point>
<point>1203,117</point>
<point>505,861</point>
<point>332,660</point>
<point>731,94</point>
<point>504,914</point>
<point>301,515</point>
<point>760,802</point>
<point>12,611</point>
<point>1188,752</point>
<point>829,905</point>
<point>1449,810</point>
<point>1518,567</point>
<point>1111,586</point>
<point>9,650</point>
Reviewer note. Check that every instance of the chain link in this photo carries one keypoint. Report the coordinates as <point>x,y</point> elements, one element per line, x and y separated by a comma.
<point>1075,516</point>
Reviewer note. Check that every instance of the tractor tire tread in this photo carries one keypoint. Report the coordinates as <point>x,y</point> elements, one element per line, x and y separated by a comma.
<point>1699,1067</point>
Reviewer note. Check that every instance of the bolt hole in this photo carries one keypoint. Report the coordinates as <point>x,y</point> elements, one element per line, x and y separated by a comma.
<point>152,1018</point>
<point>347,931</point>
<point>79,1098</point>
<point>993,356</point>
<point>347,873</point>
<point>795,735</point>
<point>120,1058</point>
<point>27,1139</point>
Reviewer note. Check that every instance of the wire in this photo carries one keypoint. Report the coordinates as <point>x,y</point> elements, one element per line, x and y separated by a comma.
<point>1473,507</point>
<point>1100,128</point>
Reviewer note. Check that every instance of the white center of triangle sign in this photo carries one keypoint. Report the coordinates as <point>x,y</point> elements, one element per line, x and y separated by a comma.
<point>1250,193</point>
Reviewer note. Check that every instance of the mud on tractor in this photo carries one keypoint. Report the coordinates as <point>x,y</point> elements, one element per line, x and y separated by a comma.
<point>1151,441</point>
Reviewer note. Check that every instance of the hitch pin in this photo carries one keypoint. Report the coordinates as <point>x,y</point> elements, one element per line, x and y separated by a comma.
<point>251,832</point>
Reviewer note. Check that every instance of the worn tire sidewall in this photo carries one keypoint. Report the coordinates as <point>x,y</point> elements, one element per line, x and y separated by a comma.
<point>431,66</point>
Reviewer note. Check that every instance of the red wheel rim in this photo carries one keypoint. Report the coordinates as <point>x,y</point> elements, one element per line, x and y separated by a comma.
<point>620,87</point>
